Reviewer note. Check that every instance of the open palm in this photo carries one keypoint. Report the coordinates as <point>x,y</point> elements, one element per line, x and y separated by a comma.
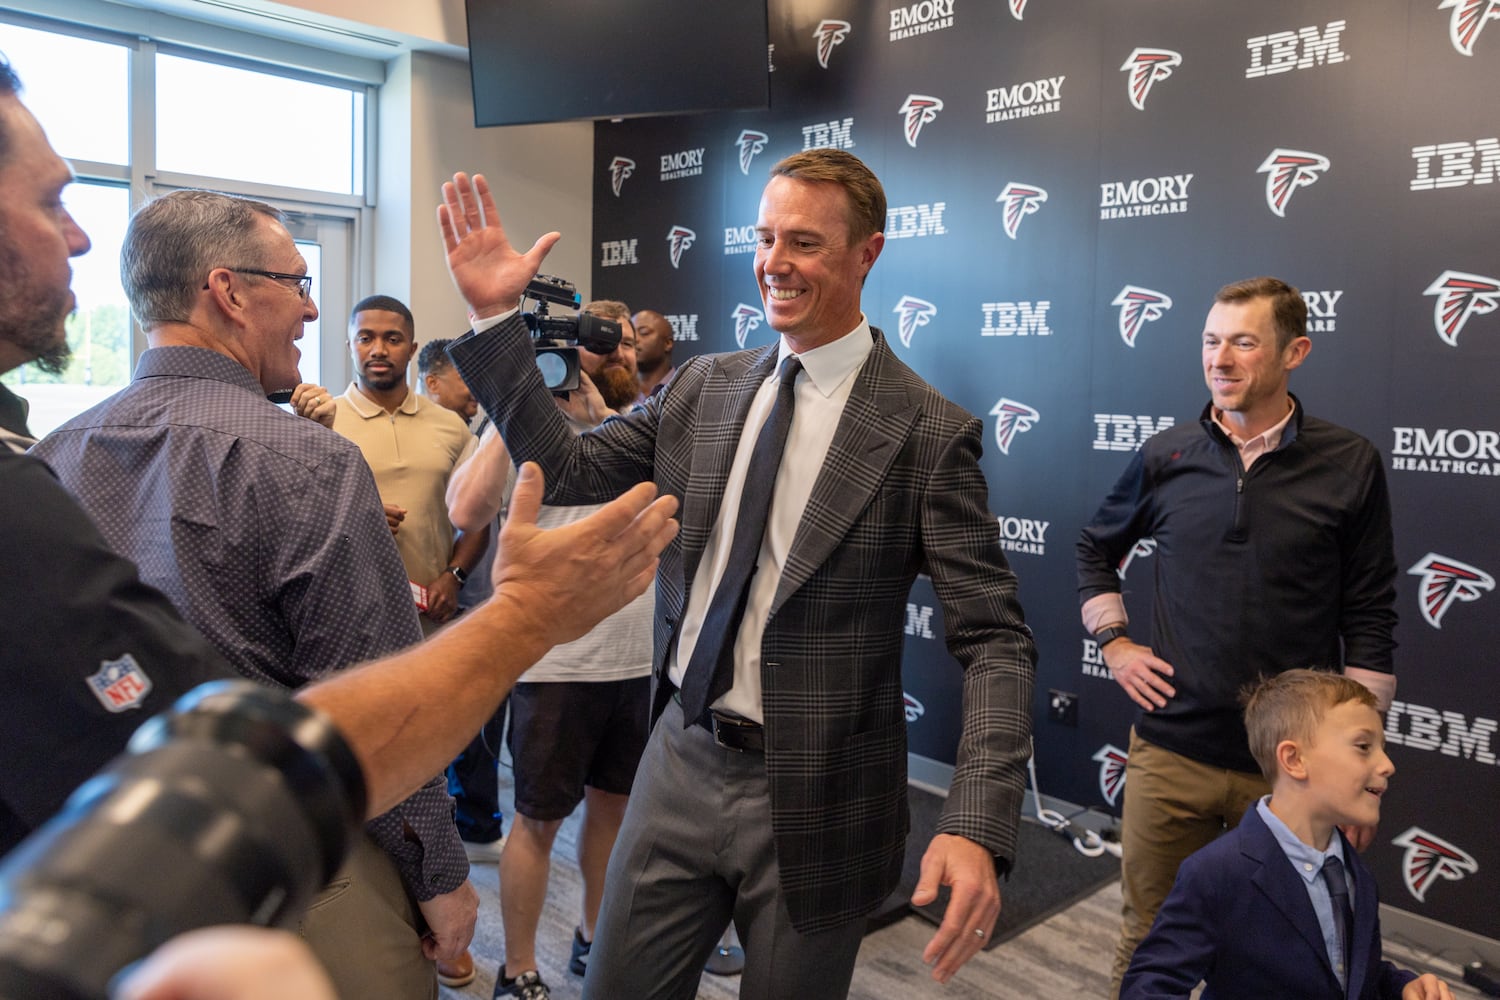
<point>489,273</point>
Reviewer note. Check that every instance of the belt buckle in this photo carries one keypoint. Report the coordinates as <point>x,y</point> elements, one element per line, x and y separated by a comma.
<point>721,724</point>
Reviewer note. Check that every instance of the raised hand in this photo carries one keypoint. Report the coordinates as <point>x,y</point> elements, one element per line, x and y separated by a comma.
<point>487,271</point>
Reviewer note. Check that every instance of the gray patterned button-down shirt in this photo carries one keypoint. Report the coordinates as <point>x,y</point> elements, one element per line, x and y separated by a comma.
<point>266,531</point>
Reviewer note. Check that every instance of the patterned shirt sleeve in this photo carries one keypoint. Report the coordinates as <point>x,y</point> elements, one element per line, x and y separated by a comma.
<point>344,591</point>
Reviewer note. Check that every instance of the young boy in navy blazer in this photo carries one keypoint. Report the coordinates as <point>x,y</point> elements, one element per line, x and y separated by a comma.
<point>1281,906</point>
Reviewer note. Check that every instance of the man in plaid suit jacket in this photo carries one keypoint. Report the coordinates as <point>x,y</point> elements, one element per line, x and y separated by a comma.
<point>879,480</point>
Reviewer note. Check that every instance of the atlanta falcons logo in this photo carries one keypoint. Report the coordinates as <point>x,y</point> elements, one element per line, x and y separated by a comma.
<point>1139,306</point>
<point>1015,418</point>
<point>912,312</point>
<point>1111,771</point>
<point>1286,170</point>
<point>914,708</point>
<point>1145,67</point>
<point>1430,858</point>
<point>750,143</point>
<point>1020,200</point>
<point>620,168</point>
<point>1143,547</point>
<point>919,110</point>
<point>1444,581</point>
<point>1467,21</point>
<point>679,240</point>
<point>746,320</point>
<point>828,34</point>
<point>1017,8</point>
<point>1460,296</point>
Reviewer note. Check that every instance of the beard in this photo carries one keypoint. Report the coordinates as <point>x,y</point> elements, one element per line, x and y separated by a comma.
<point>54,361</point>
<point>382,383</point>
<point>33,319</point>
<point>618,386</point>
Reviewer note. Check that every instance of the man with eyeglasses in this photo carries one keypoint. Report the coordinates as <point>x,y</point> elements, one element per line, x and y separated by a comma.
<point>266,531</point>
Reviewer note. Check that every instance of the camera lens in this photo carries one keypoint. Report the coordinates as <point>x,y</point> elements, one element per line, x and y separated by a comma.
<point>232,808</point>
<point>554,368</point>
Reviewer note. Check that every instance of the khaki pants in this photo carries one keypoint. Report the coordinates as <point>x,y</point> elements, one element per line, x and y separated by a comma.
<point>1173,806</point>
<point>363,928</point>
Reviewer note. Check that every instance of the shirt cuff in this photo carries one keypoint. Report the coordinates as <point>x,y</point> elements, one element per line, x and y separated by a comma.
<point>490,322</point>
<point>1383,686</point>
<point>1104,609</point>
<point>421,839</point>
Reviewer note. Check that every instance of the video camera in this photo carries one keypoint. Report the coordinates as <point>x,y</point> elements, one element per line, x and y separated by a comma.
<point>234,807</point>
<point>557,338</point>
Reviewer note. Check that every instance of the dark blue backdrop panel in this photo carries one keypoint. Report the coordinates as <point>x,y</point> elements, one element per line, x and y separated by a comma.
<point>1069,183</point>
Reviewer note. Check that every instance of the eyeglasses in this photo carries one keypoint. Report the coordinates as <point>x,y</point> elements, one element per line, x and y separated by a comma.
<point>304,281</point>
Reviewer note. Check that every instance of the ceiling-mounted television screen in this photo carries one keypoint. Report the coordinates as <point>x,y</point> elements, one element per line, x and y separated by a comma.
<point>561,60</point>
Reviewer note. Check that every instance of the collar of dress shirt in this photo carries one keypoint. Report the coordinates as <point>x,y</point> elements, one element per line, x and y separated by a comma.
<point>1306,859</point>
<point>196,362</point>
<point>1266,441</point>
<point>828,366</point>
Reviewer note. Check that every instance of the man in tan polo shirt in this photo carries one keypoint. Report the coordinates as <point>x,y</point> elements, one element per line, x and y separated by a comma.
<point>413,445</point>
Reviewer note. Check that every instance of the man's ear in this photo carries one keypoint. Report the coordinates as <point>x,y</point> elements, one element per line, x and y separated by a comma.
<point>1289,760</point>
<point>1297,352</point>
<point>870,252</point>
<point>224,290</point>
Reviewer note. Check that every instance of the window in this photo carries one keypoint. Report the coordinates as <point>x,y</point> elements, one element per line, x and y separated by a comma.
<point>223,121</point>
<point>293,138</point>
<point>77,88</point>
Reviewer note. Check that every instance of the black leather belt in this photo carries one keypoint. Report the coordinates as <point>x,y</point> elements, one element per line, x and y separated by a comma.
<point>732,732</point>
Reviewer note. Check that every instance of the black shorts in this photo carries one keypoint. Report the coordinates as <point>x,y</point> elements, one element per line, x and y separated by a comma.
<point>568,734</point>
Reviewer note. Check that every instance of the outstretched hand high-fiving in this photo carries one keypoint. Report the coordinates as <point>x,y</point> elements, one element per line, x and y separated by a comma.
<point>489,273</point>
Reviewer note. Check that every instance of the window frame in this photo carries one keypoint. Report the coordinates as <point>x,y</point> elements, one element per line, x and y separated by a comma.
<point>155,33</point>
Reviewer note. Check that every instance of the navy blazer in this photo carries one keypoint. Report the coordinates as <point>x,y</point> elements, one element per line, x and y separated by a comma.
<point>1240,919</point>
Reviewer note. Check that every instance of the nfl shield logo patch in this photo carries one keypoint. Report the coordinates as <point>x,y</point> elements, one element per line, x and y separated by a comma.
<point>120,684</point>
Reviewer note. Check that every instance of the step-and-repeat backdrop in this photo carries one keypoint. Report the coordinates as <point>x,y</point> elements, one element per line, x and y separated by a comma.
<point>1069,182</point>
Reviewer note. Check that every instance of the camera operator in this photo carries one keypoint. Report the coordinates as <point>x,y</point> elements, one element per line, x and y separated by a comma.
<point>579,718</point>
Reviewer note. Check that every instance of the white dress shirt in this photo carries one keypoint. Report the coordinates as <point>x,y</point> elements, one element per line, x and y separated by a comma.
<point>822,389</point>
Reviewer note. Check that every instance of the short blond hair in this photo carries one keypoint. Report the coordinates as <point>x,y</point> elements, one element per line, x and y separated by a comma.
<point>1290,706</point>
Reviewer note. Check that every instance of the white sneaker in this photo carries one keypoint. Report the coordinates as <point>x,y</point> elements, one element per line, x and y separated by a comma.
<point>484,854</point>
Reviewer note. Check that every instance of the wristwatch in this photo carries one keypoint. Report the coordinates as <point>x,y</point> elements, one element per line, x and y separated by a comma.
<point>458,574</point>
<point>1105,636</point>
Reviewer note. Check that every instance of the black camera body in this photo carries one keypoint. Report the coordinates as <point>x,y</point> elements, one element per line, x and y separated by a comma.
<point>234,807</point>
<point>556,339</point>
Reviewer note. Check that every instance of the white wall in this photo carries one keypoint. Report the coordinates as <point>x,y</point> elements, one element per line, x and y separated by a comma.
<point>434,20</point>
<point>541,176</point>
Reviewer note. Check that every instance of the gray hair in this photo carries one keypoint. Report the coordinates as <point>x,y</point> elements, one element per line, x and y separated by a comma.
<point>175,240</point>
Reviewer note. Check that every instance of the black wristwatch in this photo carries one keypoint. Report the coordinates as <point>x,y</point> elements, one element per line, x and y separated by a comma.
<point>1105,636</point>
<point>458,574</point>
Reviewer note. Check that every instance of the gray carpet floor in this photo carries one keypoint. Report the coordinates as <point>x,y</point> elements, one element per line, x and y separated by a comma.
<point>1067,955</point>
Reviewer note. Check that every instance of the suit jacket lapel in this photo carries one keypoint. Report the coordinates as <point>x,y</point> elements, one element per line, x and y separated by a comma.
<point>1276,880</point>
<point>876,420</point>
<point>722,405</point>
<point>1364,932</point>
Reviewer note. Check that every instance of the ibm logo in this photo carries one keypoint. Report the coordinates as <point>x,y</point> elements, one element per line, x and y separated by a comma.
<point>1300,49</point>
<point>829,135</point>
<point>1118,432</point>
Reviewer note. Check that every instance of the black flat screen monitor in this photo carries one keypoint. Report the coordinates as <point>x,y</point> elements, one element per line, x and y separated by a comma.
<point>562,60</point>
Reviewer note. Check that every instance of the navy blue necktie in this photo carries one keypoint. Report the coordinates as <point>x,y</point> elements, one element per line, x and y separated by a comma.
<point>710,670</point>
<point>1343,916</point>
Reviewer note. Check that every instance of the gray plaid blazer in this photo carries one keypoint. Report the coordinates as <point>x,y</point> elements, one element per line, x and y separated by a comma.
<point>900,493</point>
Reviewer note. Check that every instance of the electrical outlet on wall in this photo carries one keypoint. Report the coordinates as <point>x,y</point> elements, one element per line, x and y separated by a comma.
<point>1062,707</point>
